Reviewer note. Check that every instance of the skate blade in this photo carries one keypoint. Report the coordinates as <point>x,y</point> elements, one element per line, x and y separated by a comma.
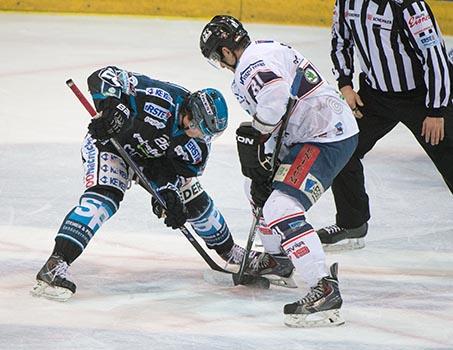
<point>42,289</point>
<point>286,282</point>
<point>223,279</point>
<point>329,318</point>
<point>345,244</point>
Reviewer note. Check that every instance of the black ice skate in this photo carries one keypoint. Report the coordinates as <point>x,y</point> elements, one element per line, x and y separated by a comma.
<point>52,282</point>
<point>335,238</point>
<point>235,255</point>
<point>320,307</point>
<point>278,269</point>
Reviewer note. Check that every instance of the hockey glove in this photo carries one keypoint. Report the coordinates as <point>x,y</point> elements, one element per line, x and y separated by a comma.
<point>260,192</point>
<point>176,214</point>
<point>112,121</point>
<point>255,164</point>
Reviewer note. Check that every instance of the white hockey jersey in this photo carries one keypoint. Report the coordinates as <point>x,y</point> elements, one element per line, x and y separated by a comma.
<point>262,83</point>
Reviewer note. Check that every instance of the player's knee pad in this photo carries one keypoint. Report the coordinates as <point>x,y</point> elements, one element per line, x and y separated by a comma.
<point>82,222</point>
<point>103,167</point>
<point>204,217</point>
<point>279,205</point>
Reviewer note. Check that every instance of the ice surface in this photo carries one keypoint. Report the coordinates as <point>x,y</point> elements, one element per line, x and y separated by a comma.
<point>140,285</point>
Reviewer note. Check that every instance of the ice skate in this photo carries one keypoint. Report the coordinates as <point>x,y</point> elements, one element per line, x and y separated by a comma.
<point>52,281</point>
<point>336,238</point>
<point>320,307</point>
<point>278,269</point>
<point>235,255</point>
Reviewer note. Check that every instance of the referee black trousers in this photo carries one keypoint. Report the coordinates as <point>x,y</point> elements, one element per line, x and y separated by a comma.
<point>382,112</point>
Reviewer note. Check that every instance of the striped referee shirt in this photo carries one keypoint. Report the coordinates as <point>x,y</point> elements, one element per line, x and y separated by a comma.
<point>399,46</point>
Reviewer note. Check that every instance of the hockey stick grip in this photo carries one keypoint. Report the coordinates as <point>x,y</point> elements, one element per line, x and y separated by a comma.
<point>70,83</point>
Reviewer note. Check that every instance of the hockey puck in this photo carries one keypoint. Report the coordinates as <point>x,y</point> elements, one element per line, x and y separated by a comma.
<point>251,281</point>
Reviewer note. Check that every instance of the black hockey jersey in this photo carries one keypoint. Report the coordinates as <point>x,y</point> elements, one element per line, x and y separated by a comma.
<point>155,129</point>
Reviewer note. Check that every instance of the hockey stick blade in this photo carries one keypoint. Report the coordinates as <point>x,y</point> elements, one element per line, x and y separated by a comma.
<point>222,279</point>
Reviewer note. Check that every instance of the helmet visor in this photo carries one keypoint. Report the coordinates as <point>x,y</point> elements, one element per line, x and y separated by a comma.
<point>215,59</point>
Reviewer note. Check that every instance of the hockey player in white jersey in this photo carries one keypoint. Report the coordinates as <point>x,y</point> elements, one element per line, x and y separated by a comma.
<point>319,139</point>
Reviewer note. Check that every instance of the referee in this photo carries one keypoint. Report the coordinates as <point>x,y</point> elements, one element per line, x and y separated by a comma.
<point>404,78</point>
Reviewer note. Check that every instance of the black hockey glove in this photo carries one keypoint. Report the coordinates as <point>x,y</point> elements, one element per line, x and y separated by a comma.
<point>112,121</point>
<point>158,210</point>
<point>260,192</point>
<point>176,214</point>
<point>254,163</point>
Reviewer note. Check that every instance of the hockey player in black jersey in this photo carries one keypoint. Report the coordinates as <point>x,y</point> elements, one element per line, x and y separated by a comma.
<point>167,130</point>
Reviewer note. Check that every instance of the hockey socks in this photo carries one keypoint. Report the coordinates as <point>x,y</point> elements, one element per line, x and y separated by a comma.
<point>301,244</point>
<point>209,223</point>
<point>81,223</point>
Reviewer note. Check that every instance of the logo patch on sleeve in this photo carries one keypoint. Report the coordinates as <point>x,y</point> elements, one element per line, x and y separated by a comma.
<point>194,150</point>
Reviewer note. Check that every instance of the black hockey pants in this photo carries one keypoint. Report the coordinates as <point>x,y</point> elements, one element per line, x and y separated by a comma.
<point>382,112</point>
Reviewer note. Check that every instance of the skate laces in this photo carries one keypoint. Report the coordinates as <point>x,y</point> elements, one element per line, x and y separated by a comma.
<point>259,262</point>
<point>332,229</point>
<point>234,256</point>
<point>314,294</point>
<point>59,270</point>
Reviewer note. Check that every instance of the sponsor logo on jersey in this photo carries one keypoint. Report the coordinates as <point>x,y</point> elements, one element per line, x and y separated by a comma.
<point>296,224</point>
<point>113,171</point>
<point>157,124</point>
<point>249,69</point>
<point>376,19</point>
<point>312,188</point>
<point>429,41</point>
<point>311,76</point>
<point>144,148</point>
<point>339,128</point>
<point>298,249</point>
<point>159,93</point>
<point>194,151</point>
<point>179,150</point>
<point>351,15</point>
<point>90,153</point>
<point>191,190</point>
<point>420,20</point>
<point>156,111</point>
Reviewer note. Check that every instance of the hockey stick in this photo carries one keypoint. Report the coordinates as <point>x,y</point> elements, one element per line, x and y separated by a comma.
<point>143,180</point>
<point>239,276</point>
